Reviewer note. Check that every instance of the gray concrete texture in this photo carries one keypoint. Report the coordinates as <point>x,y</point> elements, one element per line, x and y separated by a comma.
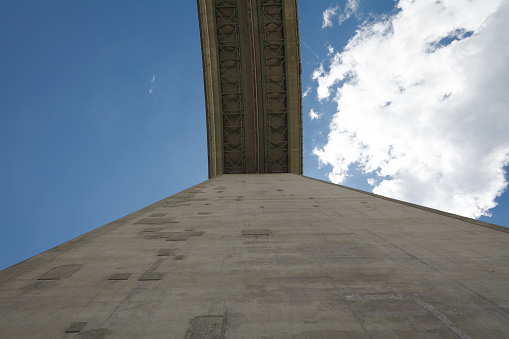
<point>267,256</point>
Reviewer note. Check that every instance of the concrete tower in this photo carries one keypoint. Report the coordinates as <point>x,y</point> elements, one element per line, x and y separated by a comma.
<point>266,253</point>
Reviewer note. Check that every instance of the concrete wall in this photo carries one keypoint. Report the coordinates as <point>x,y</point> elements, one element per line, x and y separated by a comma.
<point>267,256</point>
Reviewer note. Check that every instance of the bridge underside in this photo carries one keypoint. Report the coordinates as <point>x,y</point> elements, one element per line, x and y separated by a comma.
<point>251,62</point>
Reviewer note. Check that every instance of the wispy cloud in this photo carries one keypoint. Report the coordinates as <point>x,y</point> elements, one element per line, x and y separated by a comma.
<point>351,8</point>
<point>426,119</point>
<point>314,115</point>
<point>328,14</point>
<point>153,81</point>
<point>306,92</point>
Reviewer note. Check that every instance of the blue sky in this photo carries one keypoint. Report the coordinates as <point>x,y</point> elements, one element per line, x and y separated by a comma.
<point>102,113</point>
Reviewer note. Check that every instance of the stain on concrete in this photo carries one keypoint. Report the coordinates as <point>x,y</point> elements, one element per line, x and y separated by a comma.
<point>206,327</point>
<point>149,276</point>
<point>60,272</point>
<point>155,221</point>
<point>37,286</point>
<point>76,327</point>
<point>165,252</point>
<point>158,215</point>
<point>120,276</point>
<point>256,231</point>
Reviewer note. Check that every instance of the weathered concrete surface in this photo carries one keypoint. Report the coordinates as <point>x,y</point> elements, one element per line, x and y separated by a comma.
<point>267,256</point>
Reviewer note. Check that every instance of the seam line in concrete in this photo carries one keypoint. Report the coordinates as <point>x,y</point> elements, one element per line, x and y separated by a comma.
<point>441,317</point>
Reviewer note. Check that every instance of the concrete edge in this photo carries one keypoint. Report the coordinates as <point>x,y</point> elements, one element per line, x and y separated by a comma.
<point>29,264</point>
<point>432,210</point>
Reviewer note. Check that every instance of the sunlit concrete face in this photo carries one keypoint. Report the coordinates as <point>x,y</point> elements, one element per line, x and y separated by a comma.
<point>267,256</point>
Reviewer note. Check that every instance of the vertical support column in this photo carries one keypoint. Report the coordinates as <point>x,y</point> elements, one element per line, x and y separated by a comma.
<point>282,93</point>
<point>252,86</point>
<point>275,99</point>
<point>294,87</point>
<point>210,82</point>
<point>231,85</point>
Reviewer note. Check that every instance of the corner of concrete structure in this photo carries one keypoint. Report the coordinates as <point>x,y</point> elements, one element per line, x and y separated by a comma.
<point>424,208</point>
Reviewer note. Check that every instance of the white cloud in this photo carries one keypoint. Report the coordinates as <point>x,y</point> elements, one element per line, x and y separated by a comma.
<point>306,92</point>
<point>351,8</point>
<point>153,81</point>
<point>423,105</point>
<point>328,14</point>
<point>314,115</point>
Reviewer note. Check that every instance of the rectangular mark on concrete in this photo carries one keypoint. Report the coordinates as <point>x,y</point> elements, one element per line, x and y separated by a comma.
<point>60,272</point>
<point>179,257</point>
<point>176,236</point>
<point>206,327</point>
<point>120,276</point>
<point>76,327</point>
<point>165,252</point>
<point>155,221</point>
<point>179,236</point>
<point>256,231</point>
<point>150,276</point>
<point>153,235</point>
<point>158,215</point>
<point>152,229</point>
